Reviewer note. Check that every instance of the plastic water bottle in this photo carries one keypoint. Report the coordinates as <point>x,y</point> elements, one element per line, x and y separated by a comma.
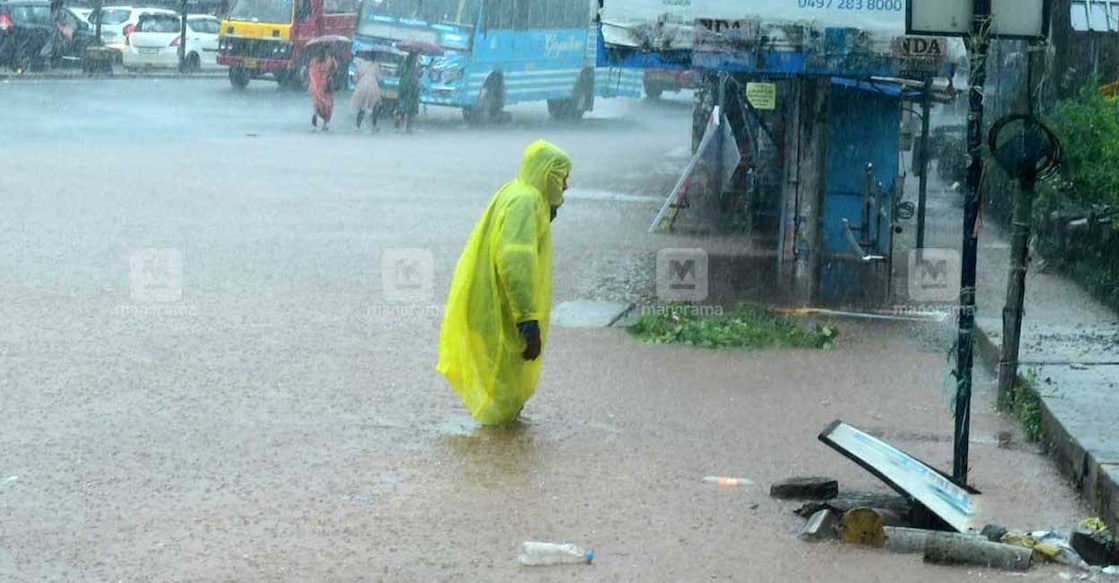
<point>535,553</point>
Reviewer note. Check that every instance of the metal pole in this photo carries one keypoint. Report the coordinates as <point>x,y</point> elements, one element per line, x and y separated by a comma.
<point>966,341</point>
<point>923,185</point>
<point>97,22</point>
<point>1015,287</point>
<point>182,38</point>
<point>868,180</point>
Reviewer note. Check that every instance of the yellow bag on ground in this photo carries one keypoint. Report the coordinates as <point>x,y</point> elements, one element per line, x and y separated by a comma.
<point>504,277</point>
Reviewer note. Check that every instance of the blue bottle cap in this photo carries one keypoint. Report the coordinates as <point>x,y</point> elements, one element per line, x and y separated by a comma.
<point>589,556</point>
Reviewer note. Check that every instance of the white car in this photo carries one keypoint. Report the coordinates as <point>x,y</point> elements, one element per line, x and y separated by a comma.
<point>82,14</point>
<point>118,22</point>
<point>155,42</point>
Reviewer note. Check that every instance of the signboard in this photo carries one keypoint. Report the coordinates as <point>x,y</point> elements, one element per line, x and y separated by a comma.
<point>852,38</point>
<point>874,16</point>
<point>648,24</point>
<point>909,476</point>
<point>921,53</point>
<point>762,96</point>
<point>1022,19</point>
<point>668,24</point>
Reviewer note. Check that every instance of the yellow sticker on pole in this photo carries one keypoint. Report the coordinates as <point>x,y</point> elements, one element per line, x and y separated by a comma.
<point>762,95</point>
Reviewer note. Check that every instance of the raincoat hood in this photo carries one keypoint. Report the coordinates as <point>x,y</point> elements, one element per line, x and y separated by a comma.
<point>544,168</point>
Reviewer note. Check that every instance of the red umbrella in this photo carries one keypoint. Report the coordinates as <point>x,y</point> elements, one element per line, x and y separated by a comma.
<point>419,46</point>
<point>335,43</point>
<point>329,40</point>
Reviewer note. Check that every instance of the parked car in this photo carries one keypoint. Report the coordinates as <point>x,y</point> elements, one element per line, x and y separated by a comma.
<point>81,13</point>
<point>26,28</point>
<point>118,23</point>
<point>155,42</point>
<point>658,81</point>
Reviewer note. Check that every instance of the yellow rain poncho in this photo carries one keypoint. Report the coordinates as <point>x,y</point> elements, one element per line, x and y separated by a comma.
<point>504,278</point>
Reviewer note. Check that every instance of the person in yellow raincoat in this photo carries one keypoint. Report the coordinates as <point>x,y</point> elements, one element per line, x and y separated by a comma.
<point>496,322</point>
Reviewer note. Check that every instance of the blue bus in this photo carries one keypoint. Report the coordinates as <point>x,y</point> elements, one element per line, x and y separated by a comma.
<point>496,53</point>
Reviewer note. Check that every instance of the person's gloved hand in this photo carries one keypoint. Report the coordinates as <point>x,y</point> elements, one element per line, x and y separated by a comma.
<point>531,332</point>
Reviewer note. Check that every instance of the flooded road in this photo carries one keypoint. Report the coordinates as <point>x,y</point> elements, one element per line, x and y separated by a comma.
<point>259,408</point>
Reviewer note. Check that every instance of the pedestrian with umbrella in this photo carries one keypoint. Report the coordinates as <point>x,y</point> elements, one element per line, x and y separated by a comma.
<point>411,77</point>
<point>367,89</point>
<point>408,102</point>
<point>320,73</point>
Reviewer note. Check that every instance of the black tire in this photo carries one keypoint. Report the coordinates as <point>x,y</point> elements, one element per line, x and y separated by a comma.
<point>298,78</point>
<point>472,115</point>
<point>193,64</point>
<point>653,91</point>
<point>491,103</point>
<point>574,108</point>
<point>239,77</point>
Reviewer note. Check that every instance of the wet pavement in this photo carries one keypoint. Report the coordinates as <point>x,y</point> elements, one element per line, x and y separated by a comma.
<point>269,411</point>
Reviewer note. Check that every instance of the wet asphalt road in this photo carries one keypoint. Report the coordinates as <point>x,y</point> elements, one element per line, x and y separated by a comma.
<point>278,416</point>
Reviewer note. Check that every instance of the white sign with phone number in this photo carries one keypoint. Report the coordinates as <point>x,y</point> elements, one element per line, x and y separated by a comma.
<point>887,16</point>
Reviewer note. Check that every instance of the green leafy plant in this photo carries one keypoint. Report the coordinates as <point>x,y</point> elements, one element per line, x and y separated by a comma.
<point>748,326</point>
<point>1088,128</point>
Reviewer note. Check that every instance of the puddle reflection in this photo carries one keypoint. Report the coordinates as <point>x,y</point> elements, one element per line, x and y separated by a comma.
<point>494,457</point>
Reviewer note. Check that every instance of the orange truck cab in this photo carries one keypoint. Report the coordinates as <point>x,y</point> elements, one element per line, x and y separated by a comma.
<point>261,38</point>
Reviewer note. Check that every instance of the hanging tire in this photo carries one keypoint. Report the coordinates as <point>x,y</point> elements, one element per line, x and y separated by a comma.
<point>239,77</point>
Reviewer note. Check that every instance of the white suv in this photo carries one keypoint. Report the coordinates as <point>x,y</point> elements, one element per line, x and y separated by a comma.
<point>118,22</point>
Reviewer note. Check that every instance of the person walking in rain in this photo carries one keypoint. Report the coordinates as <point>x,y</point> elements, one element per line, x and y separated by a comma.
<point>319,75</point>
<point>496,323</point>
<point>408,102</point>
<point>367,90</point>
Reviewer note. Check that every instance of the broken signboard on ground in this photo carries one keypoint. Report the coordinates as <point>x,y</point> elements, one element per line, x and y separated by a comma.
<point>912,478</point>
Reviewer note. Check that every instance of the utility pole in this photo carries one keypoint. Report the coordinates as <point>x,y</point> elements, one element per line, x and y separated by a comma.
<point>923,184</point>
<point>978,44</point>
<point>1032,154</point>
<point>1016,286</point>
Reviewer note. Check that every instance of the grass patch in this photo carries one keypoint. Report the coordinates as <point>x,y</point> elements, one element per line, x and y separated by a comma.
<point>748,327</point>
<point>1025,403</point>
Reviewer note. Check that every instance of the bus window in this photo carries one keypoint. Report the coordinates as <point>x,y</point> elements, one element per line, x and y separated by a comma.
<point>499,14</point>
<point>430,11</point>
<point>340,6</point>
<point>303,11</point>
<point>278,11</point>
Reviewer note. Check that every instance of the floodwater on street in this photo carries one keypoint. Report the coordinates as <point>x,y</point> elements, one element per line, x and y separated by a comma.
<point>275,416</point>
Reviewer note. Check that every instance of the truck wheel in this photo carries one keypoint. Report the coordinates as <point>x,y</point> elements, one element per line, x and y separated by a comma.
<point>239,77</point>
<point>297,78</point>
<point>653,91</point>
